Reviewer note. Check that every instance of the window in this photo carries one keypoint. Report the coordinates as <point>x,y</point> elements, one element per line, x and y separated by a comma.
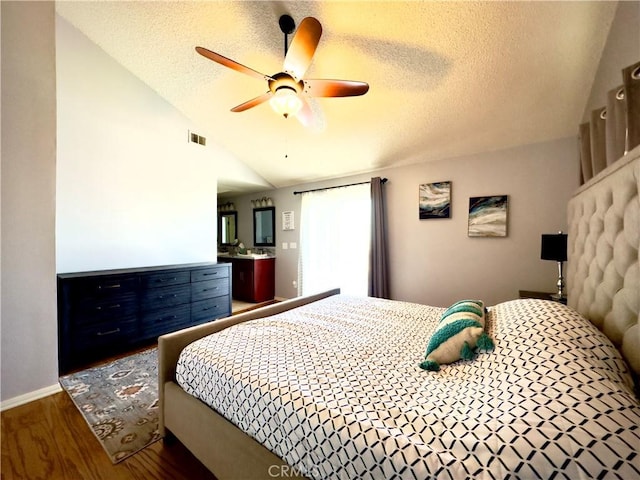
<point>335,240</point>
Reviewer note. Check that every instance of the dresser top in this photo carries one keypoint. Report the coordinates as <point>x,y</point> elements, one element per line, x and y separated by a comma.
<point>120,271</point>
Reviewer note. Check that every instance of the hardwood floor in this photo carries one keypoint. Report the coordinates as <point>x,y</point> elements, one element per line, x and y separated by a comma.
<point>49,439</point>
<point>240,307</point>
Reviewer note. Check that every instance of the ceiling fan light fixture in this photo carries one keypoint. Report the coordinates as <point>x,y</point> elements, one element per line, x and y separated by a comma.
<point>285,101</point>
<point>288,90</point>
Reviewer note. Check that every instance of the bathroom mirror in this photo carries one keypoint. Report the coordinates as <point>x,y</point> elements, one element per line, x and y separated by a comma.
<point>264,227</point>
<point>227,228</point>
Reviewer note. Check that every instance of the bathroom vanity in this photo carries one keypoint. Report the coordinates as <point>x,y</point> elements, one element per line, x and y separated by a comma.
<point>253,277</point>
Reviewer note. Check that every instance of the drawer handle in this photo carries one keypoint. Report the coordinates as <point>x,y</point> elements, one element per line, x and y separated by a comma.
<point>117,305</point>
<point>161,280</point>
<point>210,289</point>
<point>168,317</point>
<point>115,285</point>
<point>209,308</point>
<point>160,297</point>
<point>110,332</point>
<point>212,273</point>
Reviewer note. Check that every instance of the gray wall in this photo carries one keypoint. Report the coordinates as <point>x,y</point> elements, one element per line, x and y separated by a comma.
<point>29,331</point>
<point>434,261</point>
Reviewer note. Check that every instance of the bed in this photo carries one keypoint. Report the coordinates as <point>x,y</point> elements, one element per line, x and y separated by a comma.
<point>328,386</point>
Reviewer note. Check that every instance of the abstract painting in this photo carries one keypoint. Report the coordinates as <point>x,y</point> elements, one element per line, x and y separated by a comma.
<point>488,216</point>
<point>435,200</point>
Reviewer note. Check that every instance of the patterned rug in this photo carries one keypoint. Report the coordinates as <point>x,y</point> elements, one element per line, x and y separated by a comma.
<point>119,401</point>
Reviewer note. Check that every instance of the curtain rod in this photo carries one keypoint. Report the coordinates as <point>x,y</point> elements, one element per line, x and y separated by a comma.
<point>384,180</point>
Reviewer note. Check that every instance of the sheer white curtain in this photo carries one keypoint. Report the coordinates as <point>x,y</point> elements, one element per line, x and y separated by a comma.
<point>335,237</point>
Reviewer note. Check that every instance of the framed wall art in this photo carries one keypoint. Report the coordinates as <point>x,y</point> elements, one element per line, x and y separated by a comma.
<point>288,222</point>
<point>488,216</point>
<point>435,200</point>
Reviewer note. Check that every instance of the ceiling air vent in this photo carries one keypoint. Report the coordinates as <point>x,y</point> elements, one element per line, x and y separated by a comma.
<point>199,139</point>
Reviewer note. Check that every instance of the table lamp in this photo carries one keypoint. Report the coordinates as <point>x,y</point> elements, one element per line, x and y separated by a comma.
<point>554,247</point>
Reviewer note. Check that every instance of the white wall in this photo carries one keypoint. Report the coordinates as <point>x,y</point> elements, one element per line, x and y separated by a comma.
<point>29,328</point>
<point>131,190</point>
<point>434,261</point>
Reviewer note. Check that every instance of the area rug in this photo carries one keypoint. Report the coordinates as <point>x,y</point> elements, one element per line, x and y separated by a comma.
<point>119,401</point>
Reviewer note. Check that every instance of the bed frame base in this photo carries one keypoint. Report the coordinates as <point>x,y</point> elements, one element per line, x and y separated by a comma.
<point>217,443</point>
<point>222,447</point>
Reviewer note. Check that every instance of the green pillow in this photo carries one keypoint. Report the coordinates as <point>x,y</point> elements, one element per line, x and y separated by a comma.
<point>459,333</point>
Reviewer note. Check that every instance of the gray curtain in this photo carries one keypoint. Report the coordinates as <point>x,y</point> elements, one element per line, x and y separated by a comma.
<point>614,130</point>
<point>585,152</point>
<point>598,141</point>
<point>616,125</point>
<point>631,80</point>
<point>378,270</point>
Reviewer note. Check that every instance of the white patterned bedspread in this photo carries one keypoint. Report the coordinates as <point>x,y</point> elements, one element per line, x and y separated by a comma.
<point>334,388</point>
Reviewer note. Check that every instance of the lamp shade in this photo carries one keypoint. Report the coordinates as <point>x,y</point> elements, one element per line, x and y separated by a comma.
<point>554,247</point>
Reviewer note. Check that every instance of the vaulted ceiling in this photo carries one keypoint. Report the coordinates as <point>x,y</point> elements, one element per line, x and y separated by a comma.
<point>446,78</point>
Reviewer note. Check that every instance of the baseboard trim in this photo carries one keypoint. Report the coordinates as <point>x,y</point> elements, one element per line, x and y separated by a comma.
<point>29,397</point>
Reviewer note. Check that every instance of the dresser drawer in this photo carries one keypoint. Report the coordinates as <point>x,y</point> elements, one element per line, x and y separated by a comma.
<point>106,333</point>
<point>110,307</point>
<point>209,309</point>
<point>156,298</point>
<point>100,287</point>
<point>211,273</point>
<point>164,279</point>
<point>156,323</point>
<point>209,289</point>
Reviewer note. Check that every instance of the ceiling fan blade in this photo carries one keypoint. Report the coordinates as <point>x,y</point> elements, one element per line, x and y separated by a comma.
<point>227,62</point>
<point>310,115</point>
<point>303,46</point>
<point>335,88</point>
<point>305,115</point>
<point>253,102</point>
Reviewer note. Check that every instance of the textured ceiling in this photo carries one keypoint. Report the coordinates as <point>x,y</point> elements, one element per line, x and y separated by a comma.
<point>446,78</point>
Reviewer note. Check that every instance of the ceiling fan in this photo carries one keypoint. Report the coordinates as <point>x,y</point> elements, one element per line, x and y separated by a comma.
<point>289,91</point>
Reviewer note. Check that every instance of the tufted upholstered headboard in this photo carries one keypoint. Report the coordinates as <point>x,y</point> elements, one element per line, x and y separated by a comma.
<point>603,270</point>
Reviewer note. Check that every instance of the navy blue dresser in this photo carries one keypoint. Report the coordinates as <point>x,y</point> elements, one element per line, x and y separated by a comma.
<point>107,312</point>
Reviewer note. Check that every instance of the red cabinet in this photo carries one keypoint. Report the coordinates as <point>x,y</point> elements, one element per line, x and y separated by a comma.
<point>253,279</point>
